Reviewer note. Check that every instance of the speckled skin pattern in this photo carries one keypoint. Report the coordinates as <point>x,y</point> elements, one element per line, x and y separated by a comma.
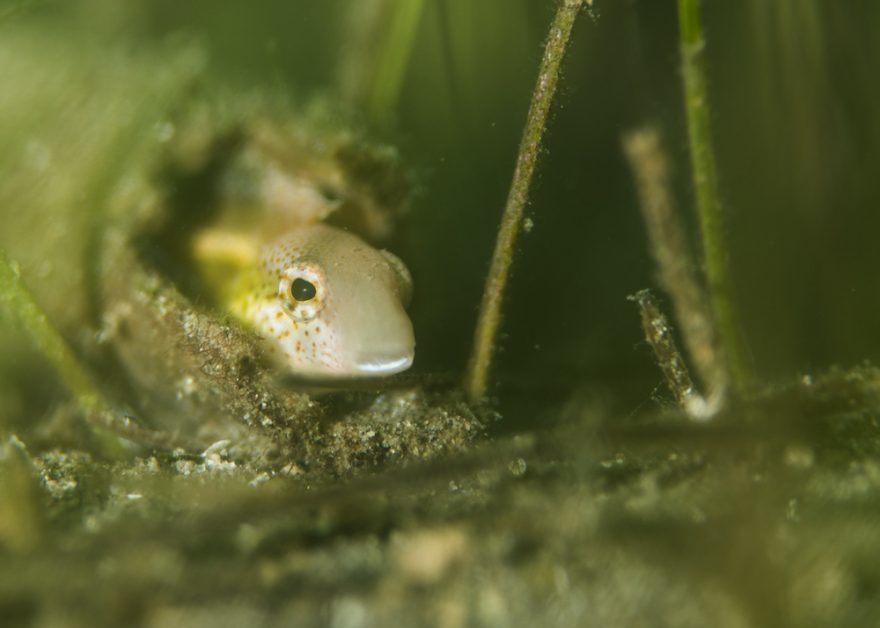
<point>352,323</point>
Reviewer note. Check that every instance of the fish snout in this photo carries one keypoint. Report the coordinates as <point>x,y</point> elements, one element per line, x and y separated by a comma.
<point>386,354</point>
<point>386,348</point>
<point>384,365</point>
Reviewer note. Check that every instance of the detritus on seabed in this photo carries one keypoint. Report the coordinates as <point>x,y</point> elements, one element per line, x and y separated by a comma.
<point>763,517</point>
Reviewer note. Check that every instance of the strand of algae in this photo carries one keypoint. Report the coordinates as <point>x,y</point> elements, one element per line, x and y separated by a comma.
<point>394,57</point>
<point>17,300</point>
<point>705,178</point>
<point>106,424</point>
<point>489,319</point>
<point>676,275</point>
<point>658,333</point>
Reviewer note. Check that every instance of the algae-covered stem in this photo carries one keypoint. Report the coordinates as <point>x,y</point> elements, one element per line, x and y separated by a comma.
<point>705,178</point>
<point>675,262</point>
<point>530,146</point>
<point>659,334</point>
<point>18,302</point>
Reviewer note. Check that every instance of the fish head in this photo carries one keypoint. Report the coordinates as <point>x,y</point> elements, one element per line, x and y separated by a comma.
<point>332,306</point>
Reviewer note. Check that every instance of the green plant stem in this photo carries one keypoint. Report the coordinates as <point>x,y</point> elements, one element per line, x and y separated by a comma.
<point>17,300</point>
<point>476,378</point>
<point>660,336</point>
<point>705,177</point>
<point>107,425</point>
<point>676,269</point>
<point>394,57</point>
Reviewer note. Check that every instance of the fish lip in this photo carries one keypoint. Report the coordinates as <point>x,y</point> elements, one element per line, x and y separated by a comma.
<point>384,366</point>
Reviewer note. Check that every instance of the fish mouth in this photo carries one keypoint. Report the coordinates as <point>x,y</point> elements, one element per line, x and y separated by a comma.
<point>384,365</point>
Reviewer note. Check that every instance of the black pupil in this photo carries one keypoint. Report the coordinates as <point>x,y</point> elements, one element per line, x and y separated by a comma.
<point>303,290</point>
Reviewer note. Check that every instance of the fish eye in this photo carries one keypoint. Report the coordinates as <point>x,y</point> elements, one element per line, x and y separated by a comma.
<point>303,289</point>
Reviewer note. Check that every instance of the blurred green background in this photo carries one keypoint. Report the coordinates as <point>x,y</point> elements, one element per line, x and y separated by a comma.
<point>797,132</point>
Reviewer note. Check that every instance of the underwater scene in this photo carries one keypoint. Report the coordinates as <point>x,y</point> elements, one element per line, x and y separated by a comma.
<point>441,313</point>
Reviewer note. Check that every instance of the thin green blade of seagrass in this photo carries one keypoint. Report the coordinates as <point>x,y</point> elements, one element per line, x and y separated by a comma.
<point>489,319</point>
<point>18,303</point>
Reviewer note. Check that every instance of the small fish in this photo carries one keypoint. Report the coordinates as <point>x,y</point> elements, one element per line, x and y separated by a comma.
<point>329,305</point>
